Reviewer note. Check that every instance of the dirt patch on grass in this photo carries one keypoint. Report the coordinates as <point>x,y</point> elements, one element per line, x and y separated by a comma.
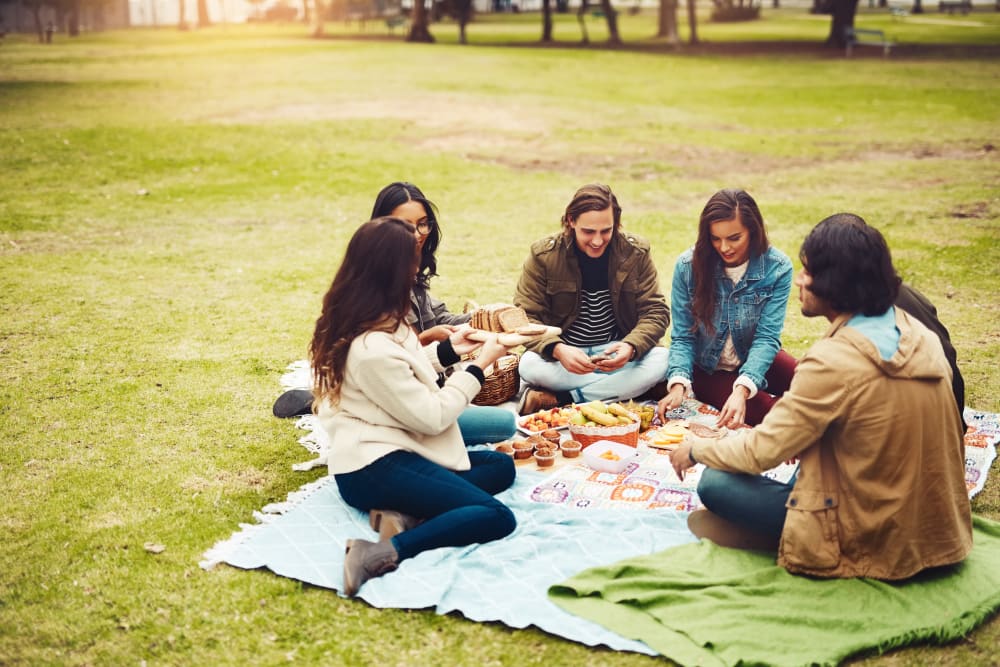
<point>431,112</point>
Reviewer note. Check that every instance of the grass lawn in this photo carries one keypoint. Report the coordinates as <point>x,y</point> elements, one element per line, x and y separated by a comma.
<point>173,206</point>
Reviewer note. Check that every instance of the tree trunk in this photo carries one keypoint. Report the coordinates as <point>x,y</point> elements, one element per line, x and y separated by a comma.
<point>182,22</point>
<point>305,12</point>
<point>317,18</point>
<point>418,24</point>
<point>918,7</point>
<point>73,19</point>
<point>464,10</point>
<point>693,22</point>
<point>581,18</point>
<point>611,16</point>
<point>36,12</point>
<point>546,21</point>
<point>843,18</point>
<point>668,21</point>
<point>203,20</point>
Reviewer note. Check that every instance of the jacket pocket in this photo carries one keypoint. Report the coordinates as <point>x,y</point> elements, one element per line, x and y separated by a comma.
<point>563,298</point>
<point>811,536</point>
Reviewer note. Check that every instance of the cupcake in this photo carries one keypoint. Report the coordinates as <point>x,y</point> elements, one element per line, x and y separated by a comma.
<point>504,448</point>
<point>523,449</point>
<point>551,435</point>
<point>545,457</point>
<point>571,448</point>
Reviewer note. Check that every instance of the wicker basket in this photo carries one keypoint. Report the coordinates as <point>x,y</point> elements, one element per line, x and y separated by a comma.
<point>502,383</point>
<point>626,434</point>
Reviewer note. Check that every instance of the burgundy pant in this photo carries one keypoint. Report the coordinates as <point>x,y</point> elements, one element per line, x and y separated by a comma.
<point>715,388</point>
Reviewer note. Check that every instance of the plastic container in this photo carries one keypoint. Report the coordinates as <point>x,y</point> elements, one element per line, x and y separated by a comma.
<point>571,448</point>
<point>592,456</point>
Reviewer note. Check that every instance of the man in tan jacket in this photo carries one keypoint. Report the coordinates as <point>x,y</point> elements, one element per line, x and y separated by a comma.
<point>880,491</point>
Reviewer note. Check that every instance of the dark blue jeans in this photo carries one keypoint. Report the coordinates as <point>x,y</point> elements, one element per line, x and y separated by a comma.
<point>752,501</point>
<point>459,507</point>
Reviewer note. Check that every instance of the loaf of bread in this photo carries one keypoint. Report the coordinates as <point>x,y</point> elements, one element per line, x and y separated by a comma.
<point>499,318</point>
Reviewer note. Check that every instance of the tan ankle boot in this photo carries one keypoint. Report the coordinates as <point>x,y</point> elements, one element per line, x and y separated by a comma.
<point>364,560</point>
<point>389,523</point>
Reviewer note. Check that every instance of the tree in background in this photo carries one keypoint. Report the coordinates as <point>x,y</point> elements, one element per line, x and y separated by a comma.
<point>843,12</point>
<point>667,25</point>
<point>581,18</point>
<point>317,18</point>
<point>611,16</point>
<point>203,20</point>
<point>547,21</point>
<point>419,31</point>
<point>693,22</point>
<point>182,23</point>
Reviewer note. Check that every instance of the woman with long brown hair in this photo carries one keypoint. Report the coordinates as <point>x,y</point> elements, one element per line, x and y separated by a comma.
<point>396,450</point>
<point>729,297</point>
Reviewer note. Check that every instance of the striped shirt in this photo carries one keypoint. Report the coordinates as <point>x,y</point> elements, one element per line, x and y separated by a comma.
<point>595,323</point>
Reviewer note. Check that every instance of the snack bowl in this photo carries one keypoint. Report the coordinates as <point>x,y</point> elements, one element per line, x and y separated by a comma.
<point>609,456</point>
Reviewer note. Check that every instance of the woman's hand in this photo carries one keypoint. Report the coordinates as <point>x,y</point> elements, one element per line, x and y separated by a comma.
<point>672,400</point>
<point>734,412</point>
<point>460,342</point>
<point>437,334</point>
<point>490,351</point>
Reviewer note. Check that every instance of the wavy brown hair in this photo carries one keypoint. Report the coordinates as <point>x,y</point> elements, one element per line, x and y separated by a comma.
<point>724,205</point>
<point>592,197</point>
<point>371,292</point>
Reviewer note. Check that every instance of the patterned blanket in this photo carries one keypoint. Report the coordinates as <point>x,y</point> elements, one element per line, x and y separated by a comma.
<point>507,580</point>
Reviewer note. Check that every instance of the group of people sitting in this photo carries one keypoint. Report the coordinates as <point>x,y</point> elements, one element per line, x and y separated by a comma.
<point>872,412</point>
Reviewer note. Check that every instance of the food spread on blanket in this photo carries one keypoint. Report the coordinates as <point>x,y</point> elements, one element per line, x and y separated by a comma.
<point>509,322</point>
<point>672,433</point>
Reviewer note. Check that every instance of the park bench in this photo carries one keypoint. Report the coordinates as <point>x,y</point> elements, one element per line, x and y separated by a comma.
<point>393,22</point>
<point>952,6</point>
<point>866,37</point>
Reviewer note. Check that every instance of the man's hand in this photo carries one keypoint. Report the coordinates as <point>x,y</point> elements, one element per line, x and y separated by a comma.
<point>672,400</point>
<point>680,459</point>
<point>616,355</point>
<point>573,359</point>
<point>734,412</point>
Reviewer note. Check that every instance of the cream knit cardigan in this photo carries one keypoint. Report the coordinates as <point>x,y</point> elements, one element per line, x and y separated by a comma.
<point>390,400</point>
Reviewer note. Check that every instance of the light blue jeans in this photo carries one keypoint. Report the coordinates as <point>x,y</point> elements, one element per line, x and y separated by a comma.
<point>631,380</point>
<point>481,424</point>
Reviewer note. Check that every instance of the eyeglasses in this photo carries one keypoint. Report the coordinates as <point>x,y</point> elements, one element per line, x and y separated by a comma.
<point>424,227</point>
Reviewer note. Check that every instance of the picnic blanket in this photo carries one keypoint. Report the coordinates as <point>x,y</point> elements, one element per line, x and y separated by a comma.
<point>700,604</point>
<point>508,580</point>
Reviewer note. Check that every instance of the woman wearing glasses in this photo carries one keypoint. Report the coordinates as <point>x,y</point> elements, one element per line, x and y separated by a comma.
<point>428,316</point>
<point>396,450</point>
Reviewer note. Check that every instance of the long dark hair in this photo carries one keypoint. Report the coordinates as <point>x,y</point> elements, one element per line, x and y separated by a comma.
<point>722,206</point>
<point>371,292</point>
<point>397,194</point>
<point>850,265</point>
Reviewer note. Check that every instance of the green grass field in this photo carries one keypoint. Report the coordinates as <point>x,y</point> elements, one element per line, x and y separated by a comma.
<point>173,206</point>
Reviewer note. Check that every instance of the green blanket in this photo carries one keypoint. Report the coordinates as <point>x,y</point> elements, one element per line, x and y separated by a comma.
<point>701,604</point>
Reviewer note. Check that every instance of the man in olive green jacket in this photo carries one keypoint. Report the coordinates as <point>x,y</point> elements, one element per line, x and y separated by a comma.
<point>600,287</point>
<point>880,491</point>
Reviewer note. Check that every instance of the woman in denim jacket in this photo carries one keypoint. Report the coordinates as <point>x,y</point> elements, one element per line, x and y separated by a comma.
<point>729,297</point>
